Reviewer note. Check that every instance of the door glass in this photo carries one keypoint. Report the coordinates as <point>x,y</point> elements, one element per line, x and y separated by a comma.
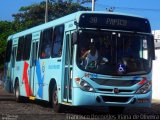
<point>13,56</point>
<point>34,53</point>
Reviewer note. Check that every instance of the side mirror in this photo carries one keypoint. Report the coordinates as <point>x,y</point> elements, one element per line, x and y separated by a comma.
<point>152,48</point>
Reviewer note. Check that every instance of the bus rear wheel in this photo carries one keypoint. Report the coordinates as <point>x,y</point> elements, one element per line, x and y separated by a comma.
<point>55,104</point>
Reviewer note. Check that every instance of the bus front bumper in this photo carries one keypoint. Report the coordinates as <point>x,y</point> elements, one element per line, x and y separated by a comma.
<point>83,98</point>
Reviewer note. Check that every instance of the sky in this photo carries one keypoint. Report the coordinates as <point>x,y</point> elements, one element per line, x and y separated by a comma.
<point>146,8</point>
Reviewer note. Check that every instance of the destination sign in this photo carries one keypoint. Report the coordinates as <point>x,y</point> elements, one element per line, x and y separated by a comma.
<point>116,22</point>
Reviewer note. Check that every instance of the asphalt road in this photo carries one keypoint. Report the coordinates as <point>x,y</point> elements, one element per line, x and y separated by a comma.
<point>40,110</point>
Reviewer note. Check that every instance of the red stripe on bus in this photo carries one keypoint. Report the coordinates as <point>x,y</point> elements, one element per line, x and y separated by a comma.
<point>26,80</point>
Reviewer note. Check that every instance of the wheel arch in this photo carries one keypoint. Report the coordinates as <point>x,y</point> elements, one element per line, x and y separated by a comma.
<point>16,80</point>
<point>52,83</point>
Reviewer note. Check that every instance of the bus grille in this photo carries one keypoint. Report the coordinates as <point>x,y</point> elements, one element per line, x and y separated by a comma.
<point>115,99</point>
<point>110,82</point>
<point>111,90</point>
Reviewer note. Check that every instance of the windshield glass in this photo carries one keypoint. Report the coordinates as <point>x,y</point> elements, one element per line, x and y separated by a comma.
<point>113,53</point>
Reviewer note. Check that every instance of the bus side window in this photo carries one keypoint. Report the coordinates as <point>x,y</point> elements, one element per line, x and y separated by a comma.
<point>27,47</point>
<point>20,49</point>
<point>8,51</point>
<point>58,41</point>
<point>46,41</point>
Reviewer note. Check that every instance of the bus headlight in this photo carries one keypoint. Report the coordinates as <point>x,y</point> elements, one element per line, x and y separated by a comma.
<point>145,88</point>
<point>84,85</point>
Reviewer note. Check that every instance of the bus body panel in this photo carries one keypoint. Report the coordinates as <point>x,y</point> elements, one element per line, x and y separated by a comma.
<point>33,61</point>
<point>134,100</point>
<point>80,99</point>
<point>10,67</point>
<point>46,70</point>
<point>34,75</point>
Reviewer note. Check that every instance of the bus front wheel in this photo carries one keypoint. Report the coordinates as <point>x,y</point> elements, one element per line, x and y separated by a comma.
<point>55,104</point>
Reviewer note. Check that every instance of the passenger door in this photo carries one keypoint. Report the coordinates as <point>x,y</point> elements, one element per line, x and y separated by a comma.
<point>26,64</point>
<point>67,90</point>
<point>34,57</point>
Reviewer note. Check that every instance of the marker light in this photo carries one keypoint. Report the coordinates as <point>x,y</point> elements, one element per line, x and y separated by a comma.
<point>143,81</point>
<point>77,79</point>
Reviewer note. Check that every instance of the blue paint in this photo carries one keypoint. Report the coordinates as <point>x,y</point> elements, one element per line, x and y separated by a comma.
<point>40,79</point>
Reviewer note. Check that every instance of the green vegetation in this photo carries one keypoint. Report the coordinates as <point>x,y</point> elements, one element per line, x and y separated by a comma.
<point>6,28</point>
<point>33,15</point>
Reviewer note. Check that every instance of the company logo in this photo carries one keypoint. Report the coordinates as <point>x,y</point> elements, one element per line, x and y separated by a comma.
<point>116,90</point>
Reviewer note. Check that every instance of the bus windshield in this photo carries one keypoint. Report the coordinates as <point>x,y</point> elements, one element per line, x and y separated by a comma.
<point>113,53</point>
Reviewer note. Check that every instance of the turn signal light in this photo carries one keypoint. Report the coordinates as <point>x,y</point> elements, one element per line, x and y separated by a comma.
<point>143,81</point>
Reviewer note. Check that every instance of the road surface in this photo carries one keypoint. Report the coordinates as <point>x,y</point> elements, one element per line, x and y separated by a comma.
<point>40,110</point>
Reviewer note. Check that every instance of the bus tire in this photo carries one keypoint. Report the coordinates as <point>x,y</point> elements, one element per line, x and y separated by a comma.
<point>116,110</point>
<point>55,104</point>
<point>17,92</point>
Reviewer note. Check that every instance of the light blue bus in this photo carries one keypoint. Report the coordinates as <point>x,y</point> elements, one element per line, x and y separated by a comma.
<point>95,59</point>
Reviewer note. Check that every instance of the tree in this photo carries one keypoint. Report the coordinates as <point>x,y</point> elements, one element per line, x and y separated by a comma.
<point>33,15</point>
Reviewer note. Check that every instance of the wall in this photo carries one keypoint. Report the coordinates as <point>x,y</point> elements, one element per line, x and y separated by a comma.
<point>156,76</point>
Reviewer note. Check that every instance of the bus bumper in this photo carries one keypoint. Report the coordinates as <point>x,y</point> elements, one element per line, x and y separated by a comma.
<point>83,98</point>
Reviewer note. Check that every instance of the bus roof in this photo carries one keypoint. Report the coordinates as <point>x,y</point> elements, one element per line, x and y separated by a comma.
<point>67,18</point>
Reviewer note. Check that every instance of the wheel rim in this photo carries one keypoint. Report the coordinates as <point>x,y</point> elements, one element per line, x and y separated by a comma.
<point>17,93</point>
